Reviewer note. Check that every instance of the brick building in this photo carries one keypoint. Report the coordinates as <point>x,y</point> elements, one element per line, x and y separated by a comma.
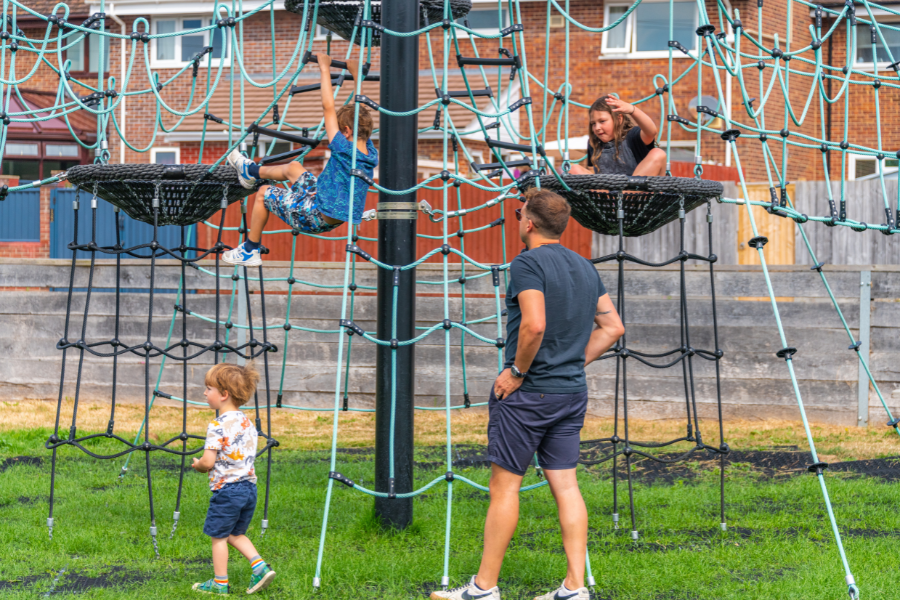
<point>631,59</point>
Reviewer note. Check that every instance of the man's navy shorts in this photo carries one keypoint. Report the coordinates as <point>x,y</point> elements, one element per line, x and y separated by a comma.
<point>230,510</point>
<point>527,422</point>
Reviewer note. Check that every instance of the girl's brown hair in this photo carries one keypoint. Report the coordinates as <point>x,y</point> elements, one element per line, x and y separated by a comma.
<point>239,382</point>
<point>621,125</point>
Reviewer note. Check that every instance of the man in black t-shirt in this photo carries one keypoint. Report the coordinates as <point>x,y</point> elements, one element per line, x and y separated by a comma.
<point>538,402</point>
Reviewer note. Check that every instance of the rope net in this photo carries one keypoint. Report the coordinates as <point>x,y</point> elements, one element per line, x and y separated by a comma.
<point>720,49</point>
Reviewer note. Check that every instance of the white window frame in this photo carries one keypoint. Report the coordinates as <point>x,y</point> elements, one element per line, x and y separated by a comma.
<point>631,39</point>
<point>853,158</point>
<point>477,6</point>
<point>426,168</point>
<point>321,37</point>
<point>176,149</point>
<point>688,144</point>
<point>177,63</point>
<point>874,67</point>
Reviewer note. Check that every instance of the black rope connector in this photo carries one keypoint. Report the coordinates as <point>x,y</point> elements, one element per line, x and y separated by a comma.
<point>235,277</point>
<point>817,468</point>
<point>763,137</point>
<point>360,174</point>
<point>845,144</point>
<point>627,451</point>
<point>352,327</point>
<point>731,135</point>
<point>679,45</point>
<point>467,402</point>
<point>445,249</point>
<point>162,394</point>
<point>346,406</point>
<point>228,324</point>
<point>278,400</point>
<point>500,343</point>
<point>287,326</point>
<point>785,133</point>
<point>724,448</point>
<point>358,251</point>
<point>855,346</point>
<point>352,287</point>
<point>894,422</point>
<point>662,90</point>
<point>777,53</point>
<point>803,218</point>
<point>758,242</point>
<point>876,84</point>
<point>395,343</point>
<point>816,44</point>
<point>448,476</point>
<point>291,281</point>
<point>761,65</point>
<point>786,353</point>
<point>340,478</point>
<point>447,324</point>
<point>391,493</point>
<point>706,30</point>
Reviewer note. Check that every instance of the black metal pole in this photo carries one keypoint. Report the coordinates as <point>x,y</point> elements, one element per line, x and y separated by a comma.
<point>397,247</point>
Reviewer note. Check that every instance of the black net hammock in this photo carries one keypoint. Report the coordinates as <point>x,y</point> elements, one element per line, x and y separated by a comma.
<point>185,194</point>
<point>648,202</point>
<point>341,16</point>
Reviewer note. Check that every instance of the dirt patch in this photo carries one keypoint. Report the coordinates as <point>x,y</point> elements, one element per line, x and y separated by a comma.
<point>29,461</point>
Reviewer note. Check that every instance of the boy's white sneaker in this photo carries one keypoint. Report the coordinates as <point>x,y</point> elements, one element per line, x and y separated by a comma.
<point>467,592</point>
<point>242,257</point>
<point>242,164</point>
<point>563,594</point>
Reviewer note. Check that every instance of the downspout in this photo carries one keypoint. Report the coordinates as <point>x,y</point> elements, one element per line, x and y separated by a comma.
<point>112,15</point>
<point>728,77</point>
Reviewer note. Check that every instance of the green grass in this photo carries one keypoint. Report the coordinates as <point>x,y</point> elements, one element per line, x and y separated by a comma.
<point>779,544</point>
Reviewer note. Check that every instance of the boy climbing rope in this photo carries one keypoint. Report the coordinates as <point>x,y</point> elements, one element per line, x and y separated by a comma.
<point>311,205</point>
<point>622,140</point>
<point>230,451</point>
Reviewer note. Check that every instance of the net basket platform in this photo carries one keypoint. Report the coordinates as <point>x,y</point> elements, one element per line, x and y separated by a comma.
<point>340,16</point>
<point>187,193</point>
<point>648,202</point>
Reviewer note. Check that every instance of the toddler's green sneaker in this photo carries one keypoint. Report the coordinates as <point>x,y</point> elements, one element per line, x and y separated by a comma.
<point>261,581</point>
<point>211,587</point>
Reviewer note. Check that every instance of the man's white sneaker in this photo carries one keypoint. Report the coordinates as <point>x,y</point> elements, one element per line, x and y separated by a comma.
<point>242,257</point>
<point>242,164</point>
<point>563,594</point>
<point>467,592</point>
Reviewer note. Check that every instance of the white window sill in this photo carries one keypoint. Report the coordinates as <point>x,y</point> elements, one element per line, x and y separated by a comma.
<point>869,67</point>
<point>177,64</point>
<point>645,55</point>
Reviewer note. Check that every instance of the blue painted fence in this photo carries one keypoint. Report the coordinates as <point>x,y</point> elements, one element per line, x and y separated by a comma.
<point>131,232</point>
<point>20,217</point>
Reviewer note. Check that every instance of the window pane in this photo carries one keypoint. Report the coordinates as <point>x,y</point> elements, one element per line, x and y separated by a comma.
<point>483,19</point>
<point>95,52</point>
<point>864,167</point>
<point>191,45</point>
<point>652,25</point>
<point>76,55</point>
<point>219,41</point>
<point>165,47</point>
<point>166,157</point>
<point>22,149</point>
<point>615,38</point>
<point>66,150</point>
<point>864,43</point>
<point>27,170</point>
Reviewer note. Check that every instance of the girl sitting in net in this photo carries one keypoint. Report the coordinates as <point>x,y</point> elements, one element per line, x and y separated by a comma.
<point>312,204</point>
<point>622,141</point>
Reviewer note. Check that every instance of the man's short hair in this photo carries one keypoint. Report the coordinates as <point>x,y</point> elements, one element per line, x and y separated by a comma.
<point>548,211</point>
<point>345,119</point>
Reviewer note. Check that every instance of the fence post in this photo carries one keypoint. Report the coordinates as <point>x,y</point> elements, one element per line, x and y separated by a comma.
<point>865,314</point>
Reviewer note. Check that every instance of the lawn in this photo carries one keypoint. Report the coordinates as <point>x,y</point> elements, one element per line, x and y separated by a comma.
<point>778,544</point>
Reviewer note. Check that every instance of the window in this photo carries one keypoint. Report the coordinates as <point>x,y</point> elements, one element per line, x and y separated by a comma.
<point>864,53</point>
<point>483,20</point>
<point>681,151</point>
<point>859,167</point>
<point>87,52</point>
<point>177,50</point>
<point>62,151</point>
<point>165,156</point>
<point>22,149</point>
<point>645,32</point>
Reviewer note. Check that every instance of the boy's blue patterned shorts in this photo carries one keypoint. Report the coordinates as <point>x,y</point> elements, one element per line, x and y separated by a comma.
<point>297,206</point>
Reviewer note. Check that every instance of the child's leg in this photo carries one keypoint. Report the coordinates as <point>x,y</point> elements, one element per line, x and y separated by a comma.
<point>653,165</point>
<point>577,169</point>
<point>260,215</point>
<point>243,545</point>
<point>220,557</point>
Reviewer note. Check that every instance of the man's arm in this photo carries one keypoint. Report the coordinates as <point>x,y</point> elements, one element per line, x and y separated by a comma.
<point>331,122</point>
<point>609,330</point>
<point>531,334</point>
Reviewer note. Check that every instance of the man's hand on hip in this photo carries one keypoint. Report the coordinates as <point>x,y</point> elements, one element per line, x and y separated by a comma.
<point>506,384</point>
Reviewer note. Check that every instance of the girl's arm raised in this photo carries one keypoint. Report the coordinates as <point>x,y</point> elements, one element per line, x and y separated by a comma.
<point>640,118</point>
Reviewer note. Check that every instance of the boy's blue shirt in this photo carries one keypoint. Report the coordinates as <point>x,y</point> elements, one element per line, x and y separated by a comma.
<point>334,182</point>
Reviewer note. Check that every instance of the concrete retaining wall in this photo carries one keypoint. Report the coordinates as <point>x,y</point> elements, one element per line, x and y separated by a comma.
<point>755,383</point>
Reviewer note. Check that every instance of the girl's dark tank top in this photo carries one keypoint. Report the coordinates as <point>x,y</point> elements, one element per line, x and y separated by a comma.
<point>632,150</point>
